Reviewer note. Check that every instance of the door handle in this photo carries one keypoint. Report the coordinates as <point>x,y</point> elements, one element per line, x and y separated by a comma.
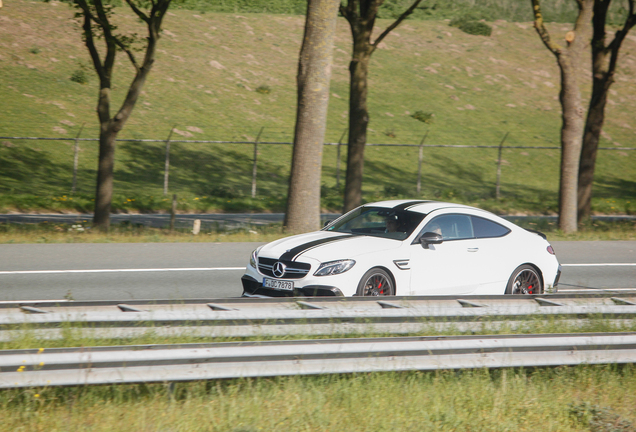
<point>473,249</point>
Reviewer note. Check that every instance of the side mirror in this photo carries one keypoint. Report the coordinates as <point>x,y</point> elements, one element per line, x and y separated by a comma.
<point>327,222</point>
<point>429,238</point>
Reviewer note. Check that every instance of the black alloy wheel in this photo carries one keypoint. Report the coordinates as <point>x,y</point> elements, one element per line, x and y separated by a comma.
<point>525,280</point>
<point>376,282</point>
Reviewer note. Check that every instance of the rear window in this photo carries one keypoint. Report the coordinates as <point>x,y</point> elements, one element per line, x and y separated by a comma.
<point>484,228</point>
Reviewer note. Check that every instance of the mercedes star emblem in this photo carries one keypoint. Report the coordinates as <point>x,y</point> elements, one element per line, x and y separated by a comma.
<point>279,269</point>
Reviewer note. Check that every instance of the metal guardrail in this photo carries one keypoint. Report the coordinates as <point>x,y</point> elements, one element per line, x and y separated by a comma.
<point>309,316</point>
<point>166,363</point>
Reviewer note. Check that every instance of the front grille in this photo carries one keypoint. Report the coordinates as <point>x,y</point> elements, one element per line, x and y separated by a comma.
<point>294,270</point>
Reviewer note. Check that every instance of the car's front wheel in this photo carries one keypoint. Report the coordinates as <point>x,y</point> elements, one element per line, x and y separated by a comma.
<point>376,282</point>
<point>525,280</point>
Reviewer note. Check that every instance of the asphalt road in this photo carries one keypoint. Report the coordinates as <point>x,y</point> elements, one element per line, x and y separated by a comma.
<point>213,270</point>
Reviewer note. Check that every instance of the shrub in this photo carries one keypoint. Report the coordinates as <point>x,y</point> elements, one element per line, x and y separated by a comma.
<point>424,117</point>
<point>476,28</point>
<point>471,24</point>
<point>463,19</point>
<point>79,76</point>
<point>264,89</point>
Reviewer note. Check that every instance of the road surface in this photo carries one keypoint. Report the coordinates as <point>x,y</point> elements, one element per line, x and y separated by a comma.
<point>213,270</point>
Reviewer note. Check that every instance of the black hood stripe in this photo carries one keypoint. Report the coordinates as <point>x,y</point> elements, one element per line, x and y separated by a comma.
<point>292,254</point>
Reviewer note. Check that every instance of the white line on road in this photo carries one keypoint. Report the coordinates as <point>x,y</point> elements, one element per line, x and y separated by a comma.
<point>228,269</point>
<point>583,289</point>
<point>600,265</point>
<point>121,270</point>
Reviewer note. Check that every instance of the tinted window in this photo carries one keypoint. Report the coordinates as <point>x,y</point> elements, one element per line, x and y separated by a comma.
<point>451,227</point>
<point>485,228</point>
<point>378,221</point>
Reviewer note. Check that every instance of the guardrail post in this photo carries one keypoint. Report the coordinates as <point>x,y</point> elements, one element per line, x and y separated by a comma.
<point>419,163</point>
<point>497,192</point>
<point>255,162</point>
<point>166,169</point>
<point>76,159</point>
<point>338,160</point>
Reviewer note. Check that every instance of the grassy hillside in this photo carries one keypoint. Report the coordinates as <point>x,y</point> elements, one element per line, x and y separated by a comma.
<point>224,76</point>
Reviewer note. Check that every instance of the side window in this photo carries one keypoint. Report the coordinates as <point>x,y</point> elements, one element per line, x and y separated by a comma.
<point>451,227</point>
<point>485,228</point>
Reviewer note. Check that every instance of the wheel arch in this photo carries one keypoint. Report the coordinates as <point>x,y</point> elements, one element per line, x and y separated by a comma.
<point>389,272</point>
<point>536,268</point>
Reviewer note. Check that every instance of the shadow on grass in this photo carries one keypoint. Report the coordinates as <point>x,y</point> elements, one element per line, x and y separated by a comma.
<point>25,170</point>
<point>211,170</point>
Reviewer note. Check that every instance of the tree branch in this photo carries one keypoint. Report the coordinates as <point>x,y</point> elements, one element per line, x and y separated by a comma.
<point>397,22</point>
<point>128,52</point>
<point>138,12</point>
<point>90,44</point>
<point>616,43</point>
<point>542,31</point>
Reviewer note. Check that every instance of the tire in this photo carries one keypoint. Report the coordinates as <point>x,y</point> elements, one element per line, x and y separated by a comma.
<point>376,282</point>
<point>525,280</point>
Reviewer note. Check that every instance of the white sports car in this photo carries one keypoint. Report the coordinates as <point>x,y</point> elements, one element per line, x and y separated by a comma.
<point>406,248</point>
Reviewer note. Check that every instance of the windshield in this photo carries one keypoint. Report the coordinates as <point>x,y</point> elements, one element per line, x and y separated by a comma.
<point>378,221</point>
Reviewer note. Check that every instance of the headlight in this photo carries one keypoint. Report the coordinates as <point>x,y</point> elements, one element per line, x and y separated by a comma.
<point>334,267</point>
<point>254,257</point>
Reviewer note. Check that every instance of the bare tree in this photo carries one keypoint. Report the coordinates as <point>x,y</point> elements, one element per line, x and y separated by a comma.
<point>97,24</point>
<point>568,59</point>
<point>604,60</point>
<point>361,15</point>
<point>314,75</point>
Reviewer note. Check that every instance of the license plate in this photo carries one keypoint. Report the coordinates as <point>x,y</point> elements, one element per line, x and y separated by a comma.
<point>278,284</point>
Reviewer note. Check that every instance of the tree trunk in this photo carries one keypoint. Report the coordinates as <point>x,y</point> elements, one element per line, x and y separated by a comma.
<point>604,60</point>
<point>568,59</point>
<point>314,75</point>
<point>571,143</point>
<point>104,187</point>
<point>358,122</point>
<point>361,15</point>
<point>593,127</point>
<point>97,25</point>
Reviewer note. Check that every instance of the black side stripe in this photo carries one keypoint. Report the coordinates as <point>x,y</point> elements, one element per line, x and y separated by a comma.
<point>405,205</point>
<point>292,254</point>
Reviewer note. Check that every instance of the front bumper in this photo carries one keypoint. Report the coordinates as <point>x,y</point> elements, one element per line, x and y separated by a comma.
<point>252,286</point>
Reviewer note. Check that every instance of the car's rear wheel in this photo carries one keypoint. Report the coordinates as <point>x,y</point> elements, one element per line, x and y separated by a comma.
<point>525,280</point>
<point>376,282</point>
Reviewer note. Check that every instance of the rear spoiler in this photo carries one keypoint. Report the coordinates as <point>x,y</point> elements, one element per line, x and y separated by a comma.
<point>539,233</point>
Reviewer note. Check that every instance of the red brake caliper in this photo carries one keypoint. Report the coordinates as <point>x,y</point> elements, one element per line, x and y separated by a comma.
<point>380,286</point>
<point>530,289</point>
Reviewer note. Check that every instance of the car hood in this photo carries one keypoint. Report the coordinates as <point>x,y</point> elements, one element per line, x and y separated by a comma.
<point>326,246</point>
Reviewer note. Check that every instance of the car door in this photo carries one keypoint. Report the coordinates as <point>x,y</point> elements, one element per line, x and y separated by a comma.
<point>451,267</point>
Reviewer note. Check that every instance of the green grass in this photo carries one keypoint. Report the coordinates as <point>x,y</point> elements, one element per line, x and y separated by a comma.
<point>509,79</point>
<point>46,232</point>
<point>558,399</point>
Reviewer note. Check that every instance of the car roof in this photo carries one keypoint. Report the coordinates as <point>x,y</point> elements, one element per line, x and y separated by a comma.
<point>419,206</point>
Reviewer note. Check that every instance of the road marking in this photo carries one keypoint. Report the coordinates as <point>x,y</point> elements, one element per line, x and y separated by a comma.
<point>32,301</point>
<point>600,265</point>
<point>227,269</point>
<point>559,290</point>
<point>121,270</point>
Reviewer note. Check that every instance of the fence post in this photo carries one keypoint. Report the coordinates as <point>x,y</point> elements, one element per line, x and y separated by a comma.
<point>338,160</point>
<point>497,194</point>
<point>166,169</point>
<point>255,162</point>
<point>76,159</point>
<point>173,212</point>
<point>419,163</point>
